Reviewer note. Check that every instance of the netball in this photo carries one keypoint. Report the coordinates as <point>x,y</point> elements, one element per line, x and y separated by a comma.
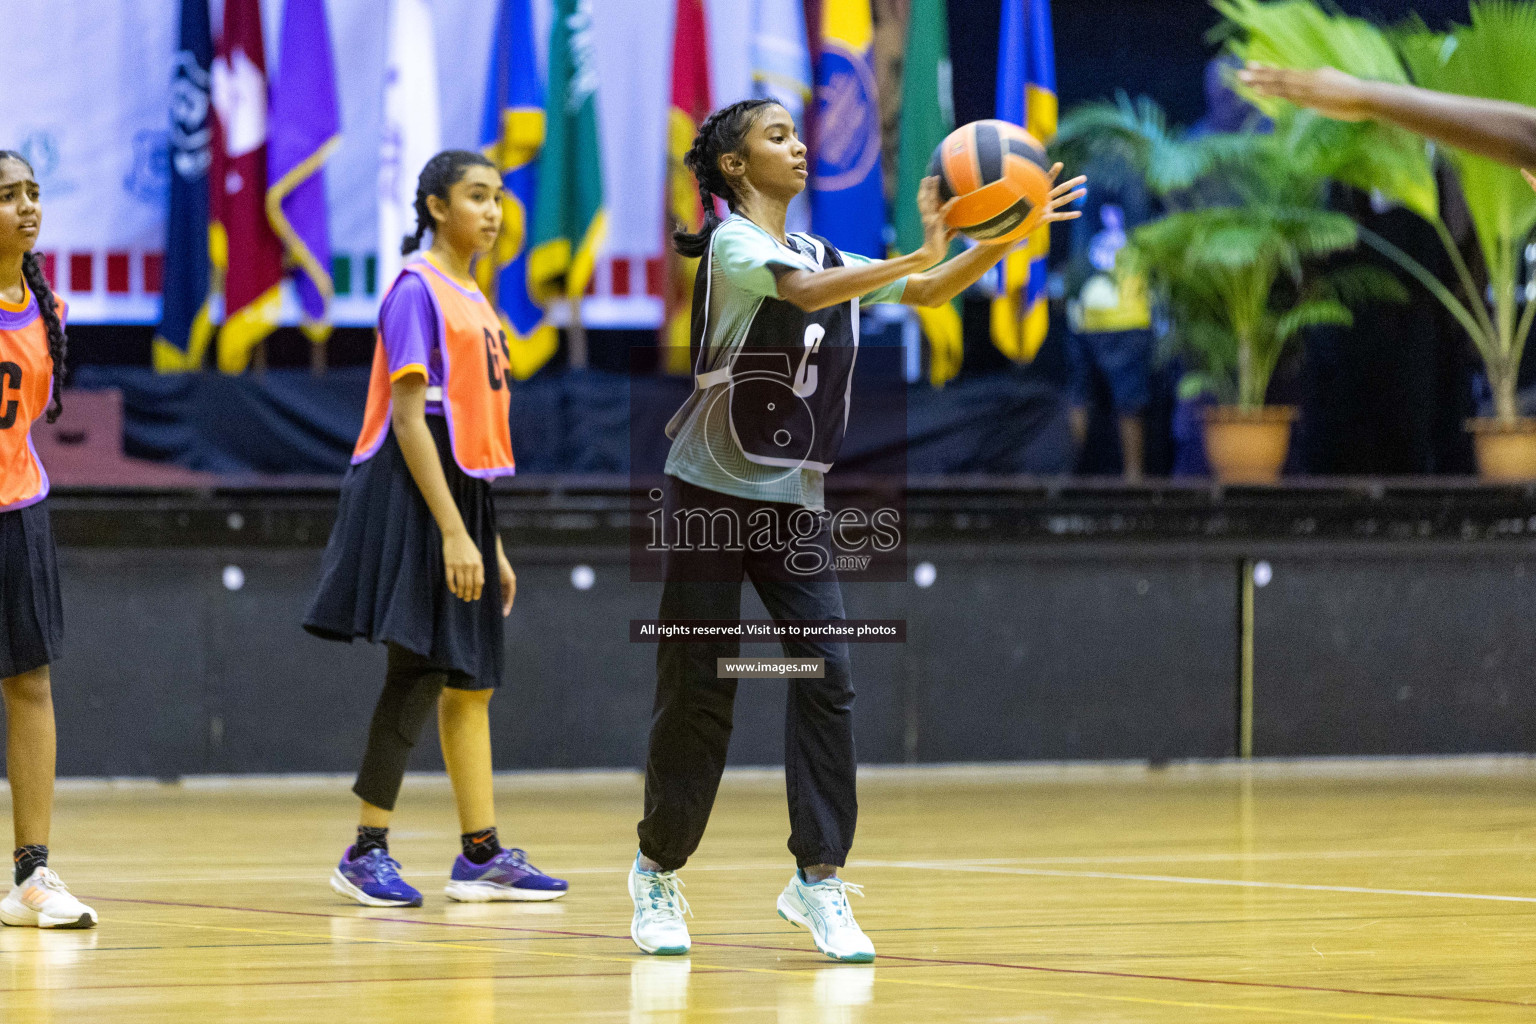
<point>999,173</point>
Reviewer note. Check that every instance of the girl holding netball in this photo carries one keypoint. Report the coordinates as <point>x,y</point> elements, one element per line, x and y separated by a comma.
<point>768,298</point>
<point>31,615</point>
<point>414,560</point>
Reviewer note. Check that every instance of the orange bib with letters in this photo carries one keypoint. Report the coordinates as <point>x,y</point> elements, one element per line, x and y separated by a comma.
<point>26,386</point>
<point>477,384</point>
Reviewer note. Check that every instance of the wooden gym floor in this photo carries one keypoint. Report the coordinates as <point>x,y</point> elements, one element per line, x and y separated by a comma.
<point>1387,891</point>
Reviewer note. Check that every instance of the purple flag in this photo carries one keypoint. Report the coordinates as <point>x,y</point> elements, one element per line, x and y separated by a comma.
<point>303,132</point>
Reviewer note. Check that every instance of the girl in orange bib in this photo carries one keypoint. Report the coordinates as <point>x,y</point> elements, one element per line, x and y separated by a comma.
<point>414,560</point>
<point>31,615</point>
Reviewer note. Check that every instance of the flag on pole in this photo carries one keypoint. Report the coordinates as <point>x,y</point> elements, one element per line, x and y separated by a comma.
<point>305,132</point>
<point>781,71</point>
<point>690,105</point>
<point>847,191</point>
<point>927,115</point>
<point>512,133</point>
<point>569,221</point>
<point>243,244</point>
<point>412,133</point>
<point>1026,95</point>
<point>181,343</point>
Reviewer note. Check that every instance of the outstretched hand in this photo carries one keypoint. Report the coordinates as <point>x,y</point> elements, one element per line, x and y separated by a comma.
<point>1328,91</point>
<point>1063,195</point>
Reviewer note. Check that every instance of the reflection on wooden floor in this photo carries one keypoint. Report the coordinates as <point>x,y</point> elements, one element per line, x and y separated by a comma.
<point>1375,892</point>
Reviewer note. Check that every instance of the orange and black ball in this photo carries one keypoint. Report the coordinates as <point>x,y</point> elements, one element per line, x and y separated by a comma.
<point>999,173</point>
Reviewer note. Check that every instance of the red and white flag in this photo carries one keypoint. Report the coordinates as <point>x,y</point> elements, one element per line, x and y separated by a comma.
<point>247,255</point>
<point>690,105</point>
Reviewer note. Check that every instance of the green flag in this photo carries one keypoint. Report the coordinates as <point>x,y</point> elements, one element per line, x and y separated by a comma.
<point>927,115</point>
<point>568,220</point>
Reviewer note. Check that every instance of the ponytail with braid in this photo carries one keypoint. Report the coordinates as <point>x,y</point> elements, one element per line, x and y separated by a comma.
<point>440,174</point>
<point>47,308</point>
<point>724,131</point>
<point>32,270</point>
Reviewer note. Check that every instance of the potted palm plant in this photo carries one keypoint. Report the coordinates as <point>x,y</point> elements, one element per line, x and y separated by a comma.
<point>1493,57</point>
<point>1237,263</point>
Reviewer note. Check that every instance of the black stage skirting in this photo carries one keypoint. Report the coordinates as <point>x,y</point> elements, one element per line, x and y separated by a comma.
<point>1061,621</point>
<point>289,421</point>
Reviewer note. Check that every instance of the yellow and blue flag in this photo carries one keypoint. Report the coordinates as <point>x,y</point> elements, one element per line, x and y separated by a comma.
<point>1026,95</point>
<point>847,190</point>
<point>512,133</point>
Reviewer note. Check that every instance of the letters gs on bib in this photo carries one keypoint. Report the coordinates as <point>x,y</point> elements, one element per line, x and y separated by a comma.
<point>498,360</point>
<point>10,380</point>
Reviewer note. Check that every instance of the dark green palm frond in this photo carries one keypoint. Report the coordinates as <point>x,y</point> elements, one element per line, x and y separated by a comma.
<point>1361,283</point>
<point>1135,133</point>
<point>1368,155</point>
<point>1315,233</point>
<point>1312,313</point>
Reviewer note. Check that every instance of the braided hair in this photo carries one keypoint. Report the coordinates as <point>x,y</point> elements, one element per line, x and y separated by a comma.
<point>47,308</point>
<point>440,174</point>
<point>722,132</point>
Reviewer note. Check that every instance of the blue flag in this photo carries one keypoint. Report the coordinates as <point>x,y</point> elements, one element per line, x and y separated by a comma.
<point>185,328</point>
<point>512,132</point>
<point>847,190</point>
<point>1026,95</point>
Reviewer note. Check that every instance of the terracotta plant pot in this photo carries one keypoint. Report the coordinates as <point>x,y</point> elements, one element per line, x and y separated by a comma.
<point>1248,447</point>
<point>1505,451</point>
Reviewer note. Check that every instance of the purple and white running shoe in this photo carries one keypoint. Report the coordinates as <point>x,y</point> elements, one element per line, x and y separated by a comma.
<point>506,876</point>
<point>373,880</point>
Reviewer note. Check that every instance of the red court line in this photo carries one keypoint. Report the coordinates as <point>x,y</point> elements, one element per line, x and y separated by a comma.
<point>935,961</point>
<point>323,981</point>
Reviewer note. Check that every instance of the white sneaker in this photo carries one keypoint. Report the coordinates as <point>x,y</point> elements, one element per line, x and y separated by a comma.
<point>658,926</point>
<point>43,901</point>
<point>823,910</point>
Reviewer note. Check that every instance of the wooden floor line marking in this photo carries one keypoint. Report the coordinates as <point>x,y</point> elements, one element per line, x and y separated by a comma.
<point>935,961</point>
<point>772,972</point>
<point>181,880</point>
<point>1188,880</point>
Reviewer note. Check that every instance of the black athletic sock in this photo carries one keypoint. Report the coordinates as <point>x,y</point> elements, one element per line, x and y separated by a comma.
<point>480,847</point>
<point>28,859</point>
<point>370,838</point>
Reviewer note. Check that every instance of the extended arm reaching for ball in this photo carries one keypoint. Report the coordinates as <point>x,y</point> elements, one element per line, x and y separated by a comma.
<point>1495,129</point>
<point>812,291</point>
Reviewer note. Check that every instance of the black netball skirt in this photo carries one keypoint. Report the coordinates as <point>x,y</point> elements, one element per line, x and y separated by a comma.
<point>383,578</point>
<point>31,615</point>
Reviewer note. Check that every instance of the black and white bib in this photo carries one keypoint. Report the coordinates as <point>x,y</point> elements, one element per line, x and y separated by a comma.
<point>790,377</point>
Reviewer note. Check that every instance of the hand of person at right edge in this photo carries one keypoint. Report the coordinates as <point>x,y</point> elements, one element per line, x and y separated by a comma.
<point>464,568</point>
<point>1328,91</point>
